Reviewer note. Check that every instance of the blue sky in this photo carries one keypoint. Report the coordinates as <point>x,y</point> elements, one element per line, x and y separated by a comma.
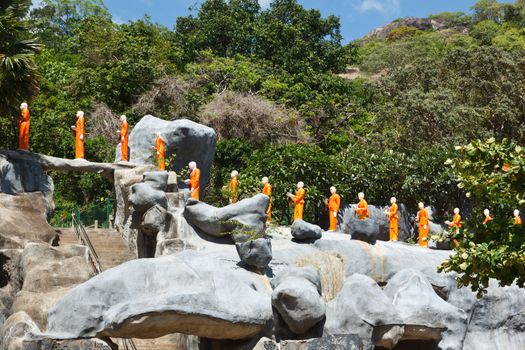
<point>358,17</point>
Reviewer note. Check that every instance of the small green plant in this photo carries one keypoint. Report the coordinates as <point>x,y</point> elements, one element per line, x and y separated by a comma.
<point>235,227</point>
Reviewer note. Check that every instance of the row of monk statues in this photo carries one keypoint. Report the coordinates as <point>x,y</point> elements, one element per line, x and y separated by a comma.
<point>333,203</point>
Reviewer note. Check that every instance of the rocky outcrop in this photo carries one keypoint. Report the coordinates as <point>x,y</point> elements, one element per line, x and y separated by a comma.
<point>304,231</point>
<point>185,139</point>
<point>425,315</point>
<point>23,220</point>
<point>47,274</point>
<point>384,259</point>
<point>297,299</point>
<point>362,307</point>
<point>188,293</point>
<point>256,253</point>
<point>419,23</point>
<point>16,330</point>
<point>376,226</point>
<point>144,196</point>
<point>41,161</point>
<point>247,215</point>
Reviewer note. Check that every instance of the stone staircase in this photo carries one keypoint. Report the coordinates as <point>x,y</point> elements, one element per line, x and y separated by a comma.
<point>112,250</point>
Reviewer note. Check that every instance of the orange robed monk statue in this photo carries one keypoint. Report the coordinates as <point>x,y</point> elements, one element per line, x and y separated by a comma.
<point>194,180</point>
<point>78,129</point>
<point>233,187</point>
<point>123,138</point>
<point>488,217</point>
<point>23,125</point>
<point>333,204</point>
<point>517,217</point>
<point>393,216</point>
<point>455,225</point>
<point>362,207</point>
<point>267,190</point>
<point>298,200</point>
<point>160,147</point>
<point>422,218</point>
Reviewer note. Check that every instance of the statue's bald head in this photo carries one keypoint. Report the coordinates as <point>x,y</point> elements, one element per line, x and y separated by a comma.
<point>23,105</point>
<point>80,114</point>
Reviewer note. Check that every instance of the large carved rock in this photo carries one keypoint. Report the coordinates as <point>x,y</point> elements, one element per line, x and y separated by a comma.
<point>297,298</point>
<point>47,274</point>
<point>188,293</point>
<point>188,140</point>
<point>426,316</point>
<point>248,215</point>
<point>380,222</point>
<point>382,260</point>
<point>23,220</point>
<point>497,320</point>
<point>362,308</point>
<point>23,176</point>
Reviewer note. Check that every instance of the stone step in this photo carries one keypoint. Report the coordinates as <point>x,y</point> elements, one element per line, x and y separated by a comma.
<point>109,245</point>
<point>168,342</point>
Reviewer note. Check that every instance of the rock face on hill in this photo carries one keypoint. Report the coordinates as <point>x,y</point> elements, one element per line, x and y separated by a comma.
<point>419,23</point>
<point>188,140</point>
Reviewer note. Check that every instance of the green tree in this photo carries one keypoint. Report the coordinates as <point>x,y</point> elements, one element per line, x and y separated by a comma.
<point>18,73</point>
<point>493,174</point>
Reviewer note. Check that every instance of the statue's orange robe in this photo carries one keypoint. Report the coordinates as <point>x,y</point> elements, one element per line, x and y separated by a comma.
<point>393,215</point>
<point>232,188</point>
<point>423,232</point>
<point>334,203</point>
<point>362,209</point>
<point>160,146</point>
<point>267,190</point>
<point>298,201</point>
<point>455,226</point>
<point>79,138</point>
<point>23,123</point>
<point>195,183</point>
<point>124,141</point>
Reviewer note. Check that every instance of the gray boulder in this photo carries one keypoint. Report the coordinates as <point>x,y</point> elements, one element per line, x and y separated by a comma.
<point>347,218</point>
<point>23,176</point>
<point>256,253</point>
<point>382,260</point>
<point>158,180</point>
<point>153,221</point>
<point>187,140</point>
<point>497,320</point>
<point>17,329</point>
<point>426,316</point>
<point>297,298</point>
<point>304,231</point>
<point>365,230</point>
<point>23,219</point>
<point>144,197</point>
<point>248,215</point>
<point>362,308</point>
<point>190,292</point>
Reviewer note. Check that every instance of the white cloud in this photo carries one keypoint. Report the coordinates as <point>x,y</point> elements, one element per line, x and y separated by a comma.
<point>36,3</point>
<point>386,7</point>
<point>118,20</point>
<point>265,3</point>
